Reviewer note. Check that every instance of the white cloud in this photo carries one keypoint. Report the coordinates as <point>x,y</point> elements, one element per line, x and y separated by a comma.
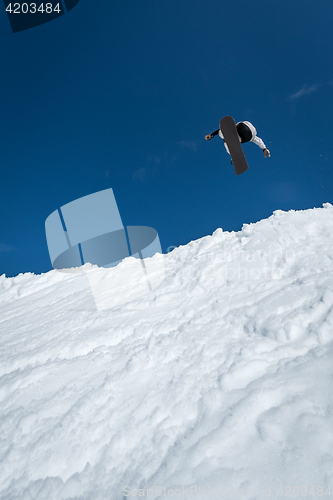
<point>305,90</point>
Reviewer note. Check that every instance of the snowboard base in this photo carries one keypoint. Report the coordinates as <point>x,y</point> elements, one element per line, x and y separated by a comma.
<point>229,131</point>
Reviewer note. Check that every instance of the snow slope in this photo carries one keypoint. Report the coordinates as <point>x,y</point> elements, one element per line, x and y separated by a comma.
<point>218,383</point>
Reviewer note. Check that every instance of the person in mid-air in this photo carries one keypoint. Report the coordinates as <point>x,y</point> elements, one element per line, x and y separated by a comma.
<point>246,133</point>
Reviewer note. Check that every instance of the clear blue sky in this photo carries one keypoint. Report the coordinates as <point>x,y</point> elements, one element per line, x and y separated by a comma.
<point>121,94</point>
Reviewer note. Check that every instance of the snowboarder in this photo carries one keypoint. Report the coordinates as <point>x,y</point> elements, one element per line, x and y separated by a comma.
<point>246,133</point>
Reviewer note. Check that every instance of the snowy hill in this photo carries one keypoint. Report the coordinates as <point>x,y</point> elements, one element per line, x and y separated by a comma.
<point>221,378</point>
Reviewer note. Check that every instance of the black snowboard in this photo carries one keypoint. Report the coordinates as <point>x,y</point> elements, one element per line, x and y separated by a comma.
<point>229,131</point>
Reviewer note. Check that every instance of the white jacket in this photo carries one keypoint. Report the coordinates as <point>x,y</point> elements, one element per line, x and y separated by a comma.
<point>259,142</point>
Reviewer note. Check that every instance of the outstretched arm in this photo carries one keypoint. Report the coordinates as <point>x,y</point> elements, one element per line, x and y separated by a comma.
<point>210,136</point>
<point>259,142</point>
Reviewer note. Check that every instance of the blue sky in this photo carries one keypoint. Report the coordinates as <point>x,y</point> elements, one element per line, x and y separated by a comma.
<point>121,94</point>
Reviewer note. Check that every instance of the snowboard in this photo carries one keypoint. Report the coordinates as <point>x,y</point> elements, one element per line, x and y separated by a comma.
<point>229,131</point>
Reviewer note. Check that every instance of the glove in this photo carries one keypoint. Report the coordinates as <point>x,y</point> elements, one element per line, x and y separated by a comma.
<point>266,153</point>
<point>208,137</point>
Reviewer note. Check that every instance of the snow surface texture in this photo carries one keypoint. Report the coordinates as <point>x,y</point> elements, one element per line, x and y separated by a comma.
<point>220,378</point>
